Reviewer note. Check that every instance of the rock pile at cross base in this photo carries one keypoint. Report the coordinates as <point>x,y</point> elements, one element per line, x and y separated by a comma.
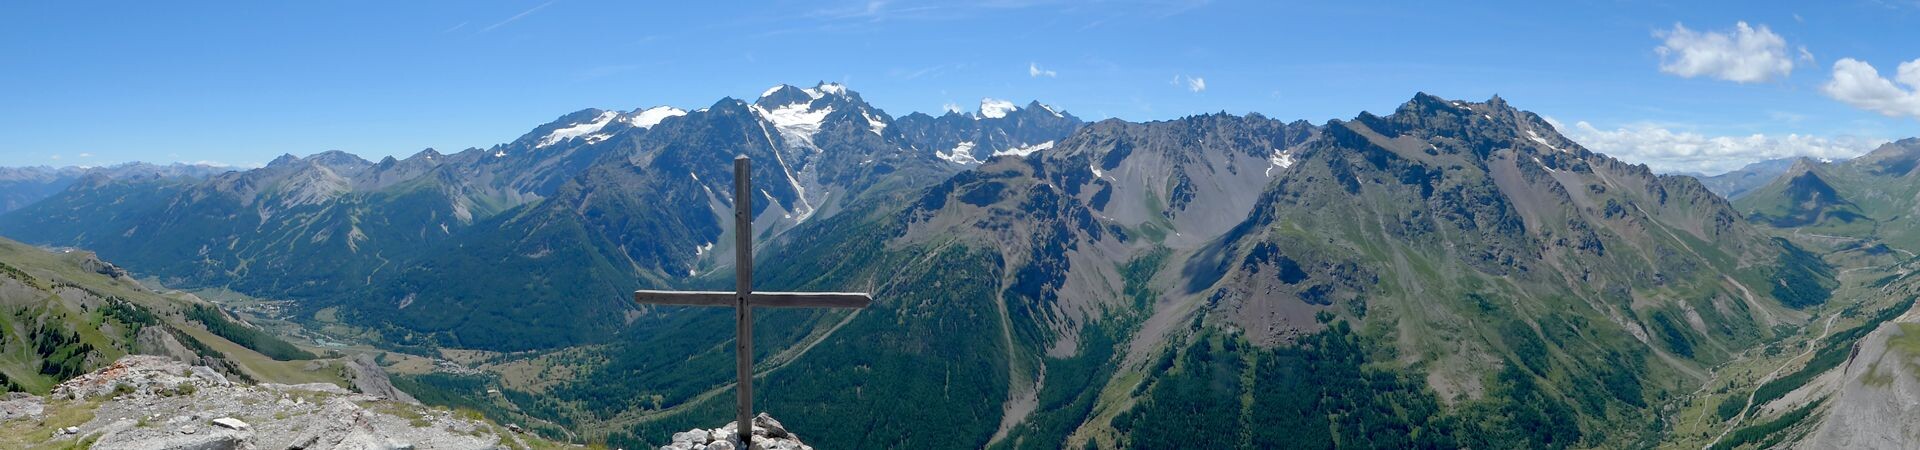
<point>768,434</point>
<point>152,402</point>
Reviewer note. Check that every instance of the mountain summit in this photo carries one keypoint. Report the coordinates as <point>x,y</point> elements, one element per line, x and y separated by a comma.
<point>1451,274</point>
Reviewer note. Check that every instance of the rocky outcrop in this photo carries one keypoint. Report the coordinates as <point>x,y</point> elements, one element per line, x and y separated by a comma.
<point>20,405</point>
<point>158,342</point>
<point>768,434</point>
<point>368,378</point>
<point>1879,400</point>
<point>153,402</point>
<point>92,263</point>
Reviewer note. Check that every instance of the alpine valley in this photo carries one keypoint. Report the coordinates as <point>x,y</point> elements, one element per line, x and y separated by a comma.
<point>1451,274</point>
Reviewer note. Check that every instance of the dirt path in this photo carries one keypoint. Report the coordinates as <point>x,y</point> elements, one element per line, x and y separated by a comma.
<point>1742,417</point>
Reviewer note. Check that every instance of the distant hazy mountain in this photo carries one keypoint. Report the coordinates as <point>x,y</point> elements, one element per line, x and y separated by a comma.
<point>1738,183</point>
<point>1871,196</point>
<point>21,186</point>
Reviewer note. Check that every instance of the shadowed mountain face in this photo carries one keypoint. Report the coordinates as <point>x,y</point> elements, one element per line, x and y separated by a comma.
<point>1455,268</point>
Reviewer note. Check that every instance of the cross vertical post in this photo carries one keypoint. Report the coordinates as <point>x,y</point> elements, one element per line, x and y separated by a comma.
<point>743,299</point>
<point>743,283</point>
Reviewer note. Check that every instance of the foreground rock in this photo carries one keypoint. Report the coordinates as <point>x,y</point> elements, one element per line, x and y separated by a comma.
<point>153,402</point>
<point>768,434</point>
<point>1878,402</point>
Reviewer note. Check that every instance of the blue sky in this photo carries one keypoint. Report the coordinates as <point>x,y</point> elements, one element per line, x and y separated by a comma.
<point>240,83</point>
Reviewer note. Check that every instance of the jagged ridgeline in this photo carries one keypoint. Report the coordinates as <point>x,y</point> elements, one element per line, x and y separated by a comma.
<point>1452,274</point>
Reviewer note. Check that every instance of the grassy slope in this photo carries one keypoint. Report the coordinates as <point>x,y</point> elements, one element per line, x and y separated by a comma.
<point>108,336</point>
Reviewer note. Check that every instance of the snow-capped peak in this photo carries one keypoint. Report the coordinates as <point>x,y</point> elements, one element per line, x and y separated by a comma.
<point>797,121</point>
<point>993,108</point>
<point>817,92</point>
<point>586,129</point>
<point>647,118</point>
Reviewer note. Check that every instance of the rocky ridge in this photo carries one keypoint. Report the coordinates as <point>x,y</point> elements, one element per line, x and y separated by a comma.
<point>153,402</point>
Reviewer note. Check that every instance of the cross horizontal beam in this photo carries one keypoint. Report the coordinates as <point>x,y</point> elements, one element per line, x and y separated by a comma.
<point>761,299</point>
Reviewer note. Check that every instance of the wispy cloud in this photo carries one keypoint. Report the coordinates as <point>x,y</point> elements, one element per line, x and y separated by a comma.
<point>1034,70</point>
<point>1746,54</point>
<point>1857,83</point>
<point>516,17</point>
<point>85,155</point>
<point>930,71</point>
<point>455,28</point>
<point>1191,83</point>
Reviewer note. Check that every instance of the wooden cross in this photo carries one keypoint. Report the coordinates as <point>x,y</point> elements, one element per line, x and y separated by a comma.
<point>743,299</point>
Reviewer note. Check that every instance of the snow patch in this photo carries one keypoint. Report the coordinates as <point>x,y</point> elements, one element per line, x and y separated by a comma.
<point>771,90</point>
<point>833,88</point>
<point>499,153</point>
<point>995,108</point>
<point>1050,110</point>
<point>649,117</point>
<point>1280,159</point>
<point>797,122</point>
<point>1543,141</point>
<point>875,124</point>
<point>1023,151</point>
<point>1097,173</point>
<point>961,154</point>
<point>578,129</point>
<point>699,250</point>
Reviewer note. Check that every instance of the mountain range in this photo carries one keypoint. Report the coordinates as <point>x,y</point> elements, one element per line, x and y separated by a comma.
<point>22,186</point>
<point>1450,274</point>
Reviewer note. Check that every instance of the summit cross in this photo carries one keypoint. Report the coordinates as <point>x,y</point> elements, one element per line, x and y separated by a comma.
<point>743,299</point>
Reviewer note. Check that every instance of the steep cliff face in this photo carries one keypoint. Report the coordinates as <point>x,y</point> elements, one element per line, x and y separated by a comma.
<point>1878,394</point>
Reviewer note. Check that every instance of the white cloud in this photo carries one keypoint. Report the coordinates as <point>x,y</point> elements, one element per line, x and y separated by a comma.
<point>1191,83</point>
<point>1857,83</point>
<point>951,107</point>
<point>54,157</point>
<point>1034,70</point>
<point>86,155</point>
<point>1744,55</point>
<point>1666,150</point>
